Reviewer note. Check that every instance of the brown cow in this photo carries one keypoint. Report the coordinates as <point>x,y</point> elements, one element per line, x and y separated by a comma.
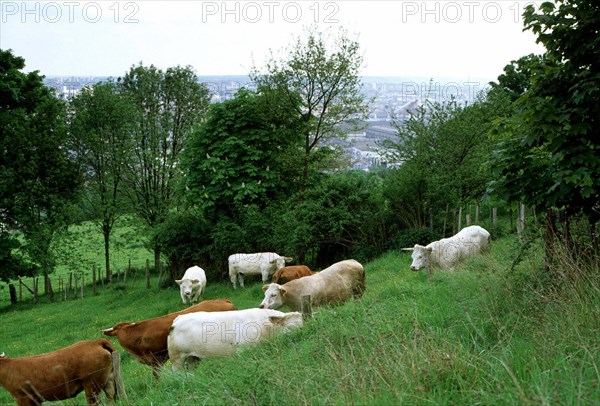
<point>147,339</point>
<point>62,374</point>
<point>289,273</point>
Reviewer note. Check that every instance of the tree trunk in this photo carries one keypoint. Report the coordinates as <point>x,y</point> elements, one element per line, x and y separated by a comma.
<point>106,233</point>
<point>13,293</point>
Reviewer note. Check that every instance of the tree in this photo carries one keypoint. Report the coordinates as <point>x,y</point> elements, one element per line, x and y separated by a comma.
<point>549,155</point>
<point>168,105</point>
<point>237,156</point>
<point>442,149</point>
<point>38,177</point>
<point>100,131</point>
<point>319,77</point>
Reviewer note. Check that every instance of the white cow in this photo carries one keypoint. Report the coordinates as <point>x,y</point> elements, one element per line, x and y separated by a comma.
<point>261,263</point>
<point>336,284</point>
<point>202,335</point>
<point>447,252</point>
<point>192,285</point>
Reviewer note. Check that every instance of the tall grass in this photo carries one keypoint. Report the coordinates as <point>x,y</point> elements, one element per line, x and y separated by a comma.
<point>477,335</point>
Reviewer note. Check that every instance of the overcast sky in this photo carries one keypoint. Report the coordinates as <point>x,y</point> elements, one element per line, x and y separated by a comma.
<point>436,39</point>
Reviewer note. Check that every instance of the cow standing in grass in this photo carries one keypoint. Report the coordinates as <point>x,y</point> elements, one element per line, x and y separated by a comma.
<point>62,374</point>
<point>262,263</point>
<point>192,285</point>
<point>448,252</point>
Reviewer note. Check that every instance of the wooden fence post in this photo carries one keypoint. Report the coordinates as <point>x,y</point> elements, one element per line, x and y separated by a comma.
<point>459,219</point>
<point>453,221</point>
<point>477,213</point>
<point>147,274</point>
<point>160,275</point>
<point>116,358</point>
<point>306,307</point>
<point>521,218</point>
<point>468,219</point>
<point>445,218</point>
<point>494,215</point>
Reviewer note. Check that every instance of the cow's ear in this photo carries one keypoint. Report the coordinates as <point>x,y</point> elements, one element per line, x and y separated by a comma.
<point>276,319</point>
<point>265,287</point>
<point>195,281</point>
<point>283,291</point>
<point>428,249</point>
<point>178,281</point>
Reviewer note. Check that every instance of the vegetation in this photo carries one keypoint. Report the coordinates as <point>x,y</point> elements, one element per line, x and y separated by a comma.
<point>481,334</point>
<point>319,78</point>
<point>517,326</point>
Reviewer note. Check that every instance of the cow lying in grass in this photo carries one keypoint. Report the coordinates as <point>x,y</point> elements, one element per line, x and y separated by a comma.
<point>336,284</point>
<point>147,339</point>
<point>197,336</point>
<point>62,374</point>
<point>448,252</point>
<point>289,273</point>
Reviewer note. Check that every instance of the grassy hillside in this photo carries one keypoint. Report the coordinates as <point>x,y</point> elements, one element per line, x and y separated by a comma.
<point>479,335</point>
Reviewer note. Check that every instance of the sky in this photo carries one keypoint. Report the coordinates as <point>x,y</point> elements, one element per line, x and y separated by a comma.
<point>425,38</point>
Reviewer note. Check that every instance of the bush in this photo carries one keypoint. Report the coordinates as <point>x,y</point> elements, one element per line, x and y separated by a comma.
<point>408,238</point>
<point>185,240</point>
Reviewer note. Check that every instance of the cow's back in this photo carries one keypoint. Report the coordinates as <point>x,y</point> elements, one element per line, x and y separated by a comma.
<point>63,373</point>
<point>335,284</point>
<point>290,273</point>
<point>467,242</point>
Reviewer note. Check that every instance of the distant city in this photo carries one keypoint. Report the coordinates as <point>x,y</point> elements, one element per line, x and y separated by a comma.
<point>395,98</point>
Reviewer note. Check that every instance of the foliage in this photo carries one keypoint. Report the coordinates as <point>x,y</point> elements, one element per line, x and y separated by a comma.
<point>100,130</point>
<point>478,335</point>
<point>319,78</point>
<point>238,155</point>
<point>442,149</point>
<point>168,104</point>
<point>38,178</point>
<point>550,156</point>
<point>185,241</point>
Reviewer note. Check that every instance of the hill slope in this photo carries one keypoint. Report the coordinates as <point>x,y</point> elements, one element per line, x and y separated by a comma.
<point>476,335</point>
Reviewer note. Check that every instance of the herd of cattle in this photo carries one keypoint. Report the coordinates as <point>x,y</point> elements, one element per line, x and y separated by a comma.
<point>211,328</point>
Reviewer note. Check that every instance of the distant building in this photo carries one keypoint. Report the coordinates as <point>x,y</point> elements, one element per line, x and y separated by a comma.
<point>381,132</point>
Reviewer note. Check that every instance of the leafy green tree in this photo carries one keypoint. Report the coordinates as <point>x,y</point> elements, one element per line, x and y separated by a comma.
<point>319,77</point>
<point>100,131</point>
<point>549,156</point>
<point>238,155</point>
<point>38,177</point>
<point>168,105</point>
<point>442,149</point>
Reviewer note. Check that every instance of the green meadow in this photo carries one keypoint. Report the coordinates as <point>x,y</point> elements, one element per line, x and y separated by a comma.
<point>481,335</point>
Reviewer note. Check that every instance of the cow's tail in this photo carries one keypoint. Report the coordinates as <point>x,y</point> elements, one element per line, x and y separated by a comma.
<point>116,369</point>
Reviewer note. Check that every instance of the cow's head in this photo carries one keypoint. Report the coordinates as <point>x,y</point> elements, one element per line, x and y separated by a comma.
<point>188,286</point>
<point>115,330</point>
<point>274,294</point>
<point>421,257</point>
